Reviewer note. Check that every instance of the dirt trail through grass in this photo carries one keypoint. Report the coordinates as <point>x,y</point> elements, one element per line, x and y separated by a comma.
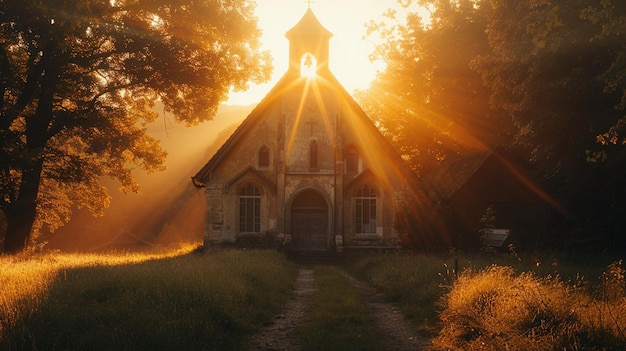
<point>281,335</point>
<point>399,334</point>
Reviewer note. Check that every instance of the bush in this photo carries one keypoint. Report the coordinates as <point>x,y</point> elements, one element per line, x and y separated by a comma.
<point>495,309</point>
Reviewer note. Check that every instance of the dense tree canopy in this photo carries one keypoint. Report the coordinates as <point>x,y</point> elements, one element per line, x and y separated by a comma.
<point>79,80</point>
<point>429,100</point>
<point>544,72</point>
<point>552,72</point>
<point>610,17</point>
<point>546,78</point>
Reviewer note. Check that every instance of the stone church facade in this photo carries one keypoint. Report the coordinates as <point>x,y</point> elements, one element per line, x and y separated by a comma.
<point>307,167</point>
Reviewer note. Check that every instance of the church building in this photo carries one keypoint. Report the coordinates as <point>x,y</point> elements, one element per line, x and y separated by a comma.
<point>307,168</point>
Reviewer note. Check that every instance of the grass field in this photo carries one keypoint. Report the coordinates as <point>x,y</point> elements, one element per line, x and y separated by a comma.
<point>141,302</point>
<point>184,300</point>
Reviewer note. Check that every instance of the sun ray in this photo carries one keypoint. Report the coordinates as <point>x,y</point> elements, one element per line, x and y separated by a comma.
<point>321,106</point>
<point>298,116</point>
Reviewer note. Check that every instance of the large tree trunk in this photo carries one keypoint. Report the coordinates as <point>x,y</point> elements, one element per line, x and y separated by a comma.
<point>19,227</point>
<point>21,214</point>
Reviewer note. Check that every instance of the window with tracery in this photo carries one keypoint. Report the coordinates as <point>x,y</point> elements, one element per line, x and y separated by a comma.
<point>365,208</point>
<point>250,209</point>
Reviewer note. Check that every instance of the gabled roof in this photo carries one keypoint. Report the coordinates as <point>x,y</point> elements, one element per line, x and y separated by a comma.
<point>284,85</point>
<point>306,29</point>
<point>364,174</point>
<point>256,174</point>
<point>451,176</point>
<point>453,173</point>
<point>204,174</point>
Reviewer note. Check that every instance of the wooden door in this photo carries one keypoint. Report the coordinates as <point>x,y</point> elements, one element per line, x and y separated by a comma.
<point>309,222</point>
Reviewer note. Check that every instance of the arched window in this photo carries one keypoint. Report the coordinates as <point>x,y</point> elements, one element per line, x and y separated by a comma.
<point>352,160</point>
<point>250,209</point>
<point>313,155</point>
<point>308,65</point>
<point>264,157</point>
<point>365,214</point>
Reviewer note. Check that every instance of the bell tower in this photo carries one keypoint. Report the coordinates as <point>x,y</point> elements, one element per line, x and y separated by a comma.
<point>308,46</point>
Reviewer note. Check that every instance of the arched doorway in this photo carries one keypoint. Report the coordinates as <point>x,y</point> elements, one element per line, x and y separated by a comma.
<point>309,222</point>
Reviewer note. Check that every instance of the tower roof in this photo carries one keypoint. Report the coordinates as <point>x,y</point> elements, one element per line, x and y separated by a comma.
<point>308,25</point>
<point>308,37</point>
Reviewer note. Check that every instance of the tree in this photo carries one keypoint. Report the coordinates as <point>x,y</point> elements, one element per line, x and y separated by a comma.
<point>554,77</point>
<point>544,73</point>
<point>544,79</point>
<point>610,17</point>
<point>429,101</point>
<point>79,79</point>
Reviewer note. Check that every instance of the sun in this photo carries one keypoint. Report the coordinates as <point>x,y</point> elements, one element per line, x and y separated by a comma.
<point>349,52</point>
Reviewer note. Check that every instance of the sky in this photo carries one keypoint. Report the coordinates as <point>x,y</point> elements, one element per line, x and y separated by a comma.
<point>349,51</point>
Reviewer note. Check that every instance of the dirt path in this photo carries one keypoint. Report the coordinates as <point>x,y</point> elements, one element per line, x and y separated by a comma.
<point>279,336</point>
<point>399,334</point>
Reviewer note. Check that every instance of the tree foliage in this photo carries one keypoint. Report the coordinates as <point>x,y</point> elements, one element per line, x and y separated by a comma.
<point>610,17</point>
<point>544,73</point>
<point>79,80</point>
<point>545,77</point>
<point>429,100</point>
<point>552,72</point>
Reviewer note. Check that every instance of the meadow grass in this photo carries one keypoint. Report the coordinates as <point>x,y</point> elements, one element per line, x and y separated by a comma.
<point>339,319</point>
<point>417,283</point>
<point>183,300</point>
<point>412,282</point>
<point>201,302</point>
<point>26,278</point>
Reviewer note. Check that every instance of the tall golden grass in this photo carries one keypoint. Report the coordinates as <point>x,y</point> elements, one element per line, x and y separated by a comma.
<point>173,300</point>
<point>464,302</point>
<point>26,278</point>
<point>497,309</point>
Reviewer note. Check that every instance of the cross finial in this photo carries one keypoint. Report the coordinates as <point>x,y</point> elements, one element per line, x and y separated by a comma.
<point>308,3</point>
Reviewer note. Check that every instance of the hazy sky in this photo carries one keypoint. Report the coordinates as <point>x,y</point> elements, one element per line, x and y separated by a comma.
<point>348,50</point>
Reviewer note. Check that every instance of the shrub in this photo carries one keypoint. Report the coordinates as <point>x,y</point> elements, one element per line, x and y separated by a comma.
<point>606,312</point>
<point>495,309</point>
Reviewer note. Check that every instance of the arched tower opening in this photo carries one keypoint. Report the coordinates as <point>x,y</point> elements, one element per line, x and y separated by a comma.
<point>308,65</point>
<point>308,43</point>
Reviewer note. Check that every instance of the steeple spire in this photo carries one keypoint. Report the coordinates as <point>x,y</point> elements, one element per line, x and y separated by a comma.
<point>308,37</point>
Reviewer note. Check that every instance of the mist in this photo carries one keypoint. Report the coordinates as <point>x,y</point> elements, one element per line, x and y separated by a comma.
<point>168,209</point>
